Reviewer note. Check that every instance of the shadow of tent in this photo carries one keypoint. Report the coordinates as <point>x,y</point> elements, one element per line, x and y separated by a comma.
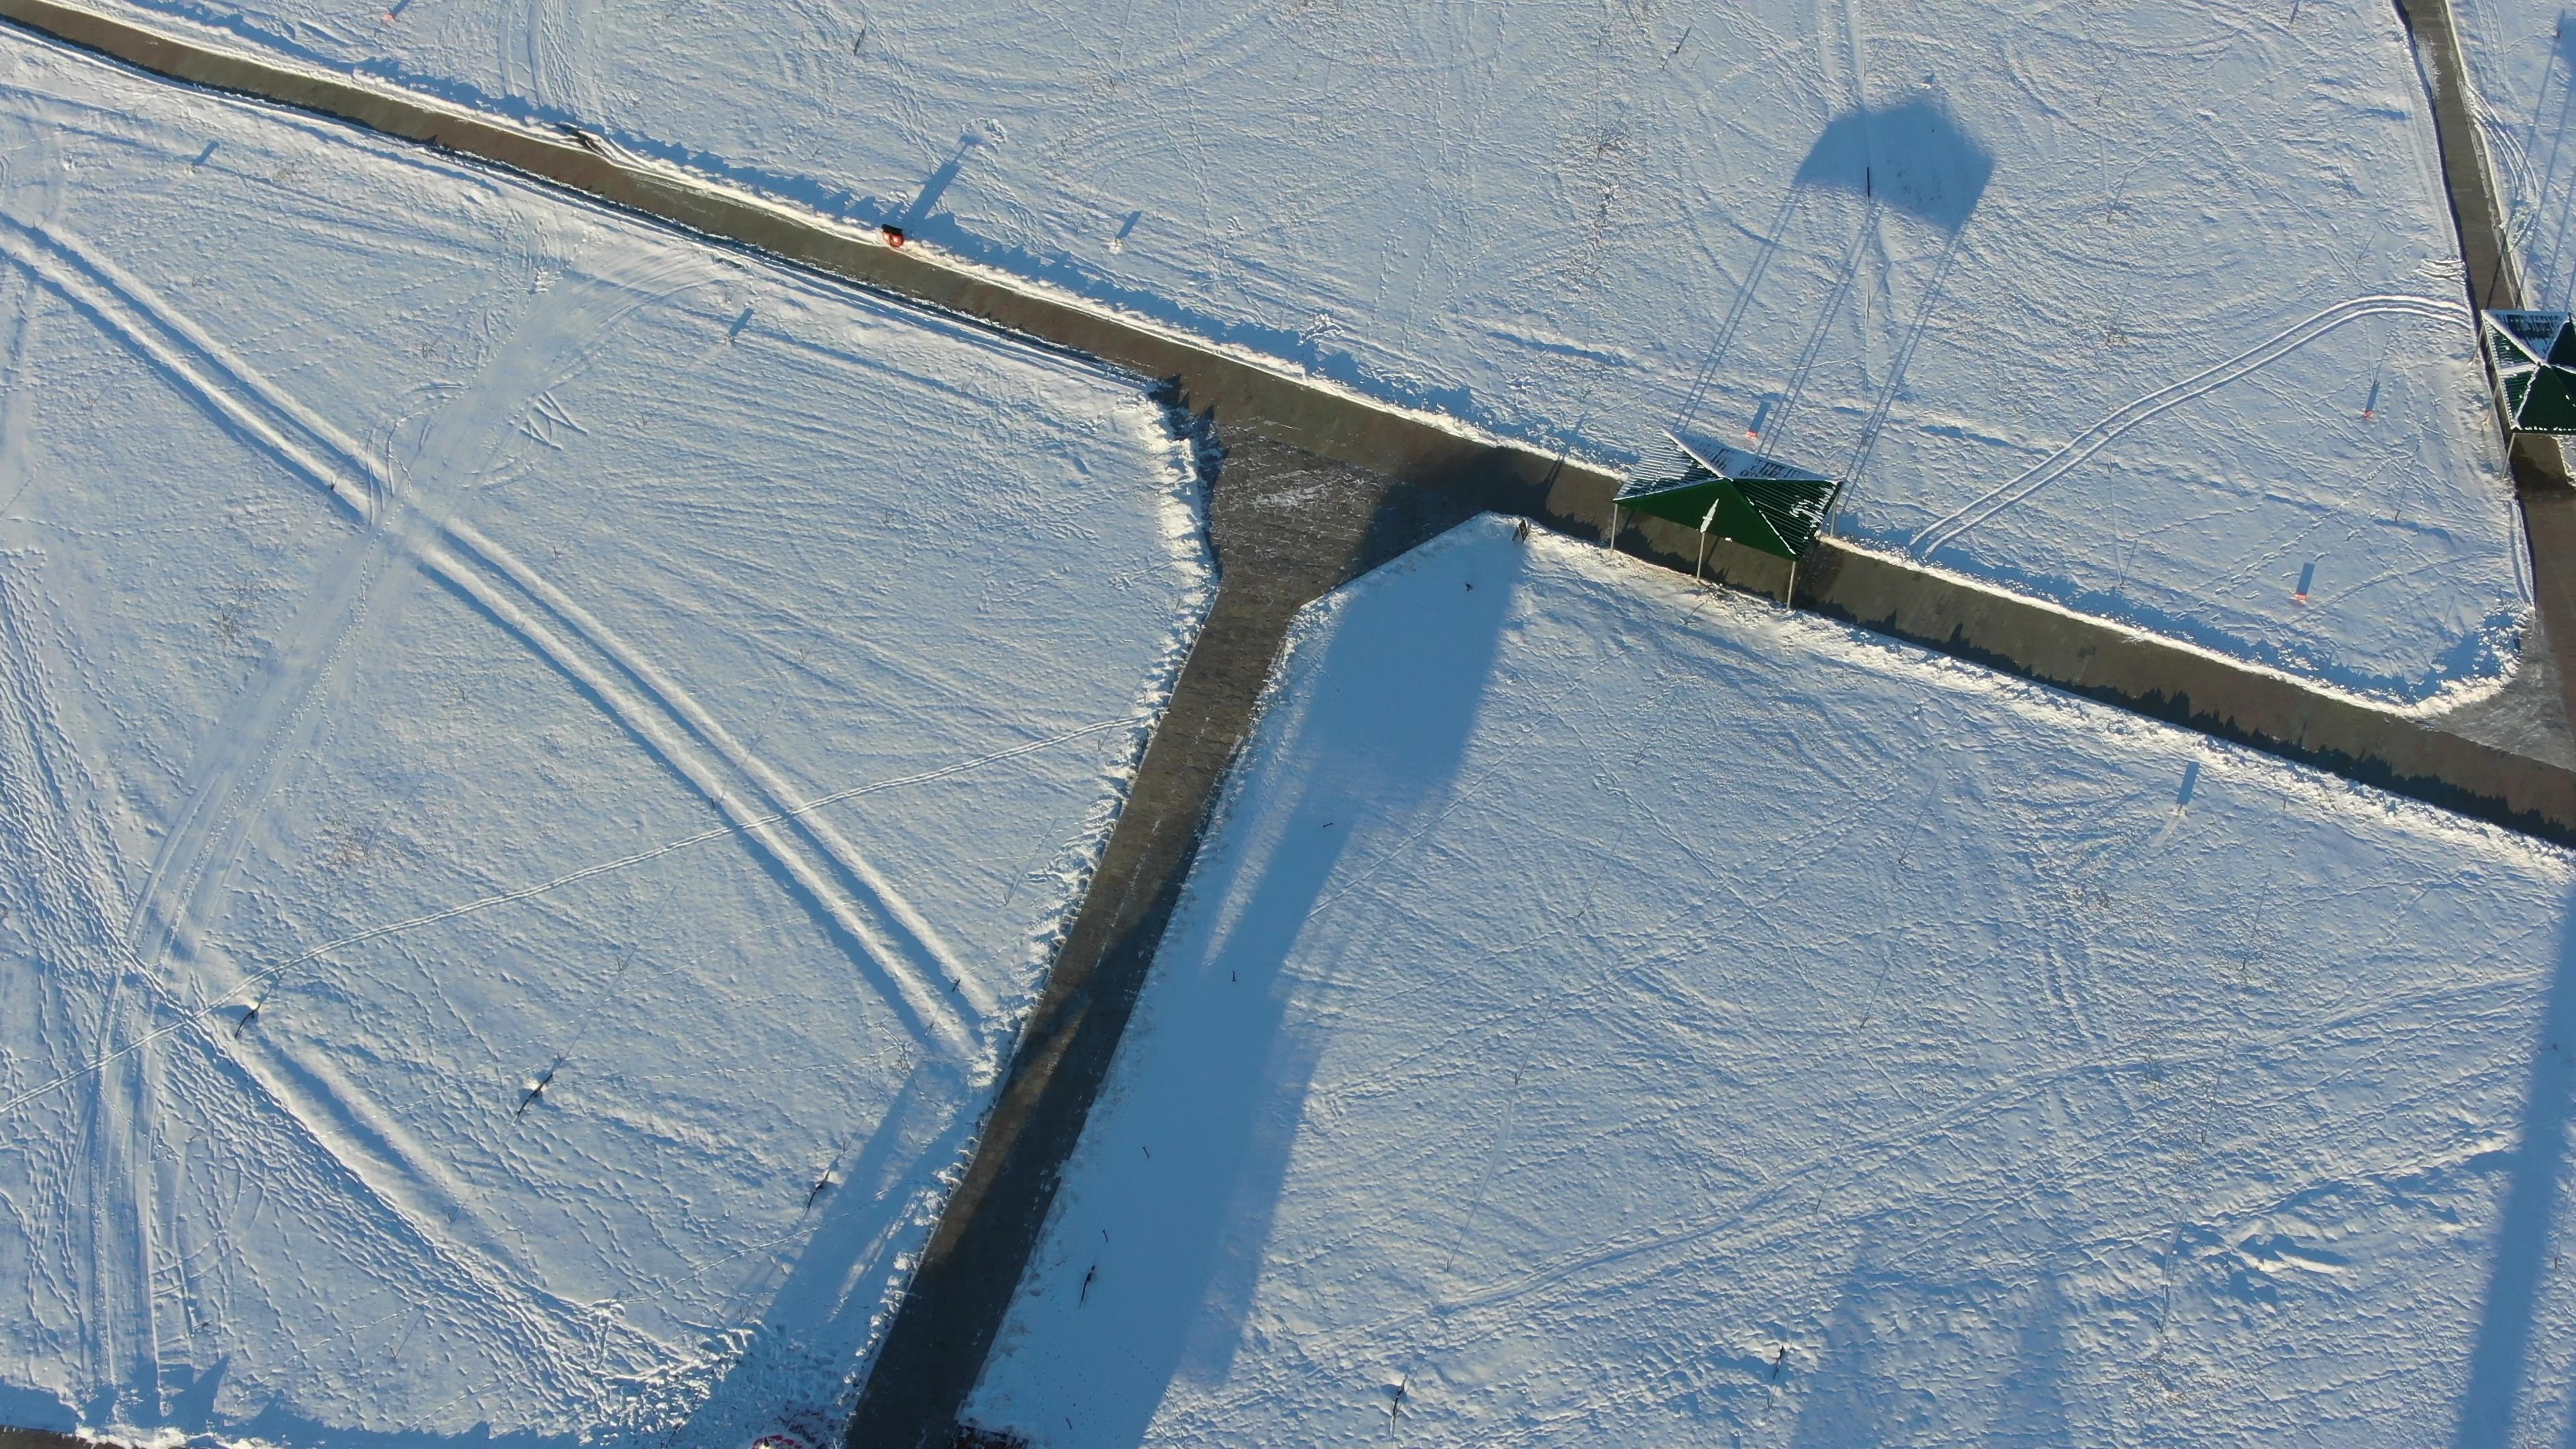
<point>2500,1361</point>
<point>1376,741</point>
<point>1911,156</point>
<point>2542,224</point>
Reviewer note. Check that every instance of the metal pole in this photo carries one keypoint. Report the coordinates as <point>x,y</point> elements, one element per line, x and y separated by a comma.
<point>1700,567</point>
<point>1612,542</point>
<point>1790,600</point>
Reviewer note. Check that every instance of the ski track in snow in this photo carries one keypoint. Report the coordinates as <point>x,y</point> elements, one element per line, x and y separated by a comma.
<point>1367,189</point>
<point>1944,531</point>
<point>887,936</point>
<point>237,1153</point>
<point>1511,1047</point>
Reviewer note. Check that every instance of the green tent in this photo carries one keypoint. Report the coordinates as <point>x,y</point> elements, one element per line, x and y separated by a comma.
<point>2534,354</point>
<point>1758,502</point>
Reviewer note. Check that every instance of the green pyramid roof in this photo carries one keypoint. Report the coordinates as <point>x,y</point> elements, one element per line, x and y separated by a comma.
<point>2534,355</point>
<point>1759,502</point>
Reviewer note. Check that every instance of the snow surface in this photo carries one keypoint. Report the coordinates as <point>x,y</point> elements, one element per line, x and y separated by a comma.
<point>509,642</point>
<point>1616,1014</point>
<point>2522,66</point>
<point>2151,310</point>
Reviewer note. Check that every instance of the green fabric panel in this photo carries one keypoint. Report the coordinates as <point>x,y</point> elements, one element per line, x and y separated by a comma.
<point>2550,404</point>
<point>2503,348</point>
<point>1688,503</point>
<point>2562,348</point>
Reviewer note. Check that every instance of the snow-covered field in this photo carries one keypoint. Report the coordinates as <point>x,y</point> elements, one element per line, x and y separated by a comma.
<point>1608,1013</point>
<point>2522,63</point>
<point>497,642</point>
<point>2154,311</point>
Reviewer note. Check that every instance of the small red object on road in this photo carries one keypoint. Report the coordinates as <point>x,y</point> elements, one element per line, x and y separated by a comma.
<point>893,235</point>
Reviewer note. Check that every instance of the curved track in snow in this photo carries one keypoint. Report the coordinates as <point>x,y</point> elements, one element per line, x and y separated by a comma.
<point>882,932</point>
<point>2084,445</point>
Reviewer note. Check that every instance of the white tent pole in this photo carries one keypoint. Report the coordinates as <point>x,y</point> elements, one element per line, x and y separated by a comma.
<point>1612,542</point>
<point>1790,600</point>
<point>1701,567</point>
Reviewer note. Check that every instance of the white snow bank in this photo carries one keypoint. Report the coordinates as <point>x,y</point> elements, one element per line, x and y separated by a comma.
<point>509,644</point>
<point>2154,311</point>
<point>1612,1014</point>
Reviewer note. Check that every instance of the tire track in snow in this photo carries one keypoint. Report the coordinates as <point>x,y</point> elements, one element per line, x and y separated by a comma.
<point>530,892</point>
<point>872,922</point>
<point>2084,445</point>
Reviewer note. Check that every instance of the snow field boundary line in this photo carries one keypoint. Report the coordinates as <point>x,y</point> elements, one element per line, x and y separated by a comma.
<point>1230,389</point>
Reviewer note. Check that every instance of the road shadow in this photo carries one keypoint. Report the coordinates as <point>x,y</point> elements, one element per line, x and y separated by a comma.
<point>2499,1364</point>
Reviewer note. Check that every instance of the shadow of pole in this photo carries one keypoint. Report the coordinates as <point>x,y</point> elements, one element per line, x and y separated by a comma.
<point>2500,1361</point>
<point>938,184</point>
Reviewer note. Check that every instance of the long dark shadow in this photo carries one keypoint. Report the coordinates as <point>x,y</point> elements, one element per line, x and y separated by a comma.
<point>1380,744</point>
<point>2501,1360</point>
<point>1288,526</point>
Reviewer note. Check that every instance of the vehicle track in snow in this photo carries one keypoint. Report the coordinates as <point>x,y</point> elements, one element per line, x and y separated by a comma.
<point>884,935</point>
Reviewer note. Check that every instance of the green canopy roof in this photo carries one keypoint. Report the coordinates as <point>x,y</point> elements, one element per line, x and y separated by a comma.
<point>1758,502</point>
<point>2534,354</point>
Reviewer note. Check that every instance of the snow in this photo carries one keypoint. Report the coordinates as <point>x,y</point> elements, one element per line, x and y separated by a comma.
<point>2153,311</point>
<point>511,645</point>
<point>2519,59</point>
<point>1611,1013</point>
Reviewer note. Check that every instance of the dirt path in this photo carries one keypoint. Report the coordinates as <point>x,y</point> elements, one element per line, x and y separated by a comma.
<point>1288,527</point>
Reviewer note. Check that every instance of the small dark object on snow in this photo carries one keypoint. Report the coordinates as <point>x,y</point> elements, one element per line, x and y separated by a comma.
<point>1086,1283</point>
<point>1777,1362</point>
<point>537,1088</point>
<point>246,1018</point>
<point>582,139</point>
<point>893,234</point>
<point>1520,531</point>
